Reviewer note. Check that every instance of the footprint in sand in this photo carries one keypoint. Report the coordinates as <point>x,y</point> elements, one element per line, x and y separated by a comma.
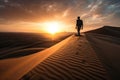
<point>76,53</point>
<point>83,61</point>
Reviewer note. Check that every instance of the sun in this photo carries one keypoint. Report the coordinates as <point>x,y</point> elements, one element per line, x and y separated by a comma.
<point>52,27</point>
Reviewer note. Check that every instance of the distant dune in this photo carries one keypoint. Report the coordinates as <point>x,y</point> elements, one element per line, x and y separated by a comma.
<point>106,43</point>
<point>107,30</point>
<point>21,44</point>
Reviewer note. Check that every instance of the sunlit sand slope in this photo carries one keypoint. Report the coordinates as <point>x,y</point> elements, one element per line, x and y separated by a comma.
<point>15,68</point>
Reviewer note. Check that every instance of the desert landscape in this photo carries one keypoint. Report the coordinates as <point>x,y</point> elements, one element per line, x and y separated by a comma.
<point>59,39</point>
<point>93,55</point>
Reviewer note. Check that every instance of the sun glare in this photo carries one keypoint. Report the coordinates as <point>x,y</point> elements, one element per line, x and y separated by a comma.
<point>52,27</point>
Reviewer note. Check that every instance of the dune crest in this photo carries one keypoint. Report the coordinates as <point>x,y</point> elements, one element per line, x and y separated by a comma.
<point>76,60</point>
<point>15,68</point>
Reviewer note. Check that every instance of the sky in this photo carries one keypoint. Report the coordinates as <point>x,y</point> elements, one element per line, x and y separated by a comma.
<point>30,15</point>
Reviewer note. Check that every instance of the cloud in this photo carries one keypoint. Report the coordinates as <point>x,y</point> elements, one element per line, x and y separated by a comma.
<point>91,11</point>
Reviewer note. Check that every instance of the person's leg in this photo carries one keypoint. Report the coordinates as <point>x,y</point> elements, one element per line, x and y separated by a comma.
<point>79,31</point>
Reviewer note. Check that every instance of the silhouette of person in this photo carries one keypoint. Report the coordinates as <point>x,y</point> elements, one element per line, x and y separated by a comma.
<point>79,25</point>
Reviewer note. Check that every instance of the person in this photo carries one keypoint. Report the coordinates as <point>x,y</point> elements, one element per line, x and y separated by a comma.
<point>79,25</point>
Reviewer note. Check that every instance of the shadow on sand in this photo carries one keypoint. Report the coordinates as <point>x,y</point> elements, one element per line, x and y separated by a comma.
<point>14,45</point>
<point>20,53</point>
<point>81,35</point>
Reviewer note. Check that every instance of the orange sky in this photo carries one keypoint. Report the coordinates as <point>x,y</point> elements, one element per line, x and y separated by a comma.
<point>30,15</point>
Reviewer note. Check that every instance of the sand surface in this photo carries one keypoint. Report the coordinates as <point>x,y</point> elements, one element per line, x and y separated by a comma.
<point>76,60</point>
<point>15,68</point>
<point>106,43</point>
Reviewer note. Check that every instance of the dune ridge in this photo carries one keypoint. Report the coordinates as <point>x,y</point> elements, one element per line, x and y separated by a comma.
<point>15,68</point>
<point>74,61</point>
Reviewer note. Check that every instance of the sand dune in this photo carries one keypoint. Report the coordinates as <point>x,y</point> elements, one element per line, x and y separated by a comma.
<point>93,56</point>
<point>14,45</point>
<point>21,52</point>
<point>15,68</point>
<point>106,43</point>
<point>76,60</point>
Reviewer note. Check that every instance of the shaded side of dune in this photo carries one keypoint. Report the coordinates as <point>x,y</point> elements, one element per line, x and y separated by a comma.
<point>107,30</point>
<point>13,45</point>
<point>106,43</point>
